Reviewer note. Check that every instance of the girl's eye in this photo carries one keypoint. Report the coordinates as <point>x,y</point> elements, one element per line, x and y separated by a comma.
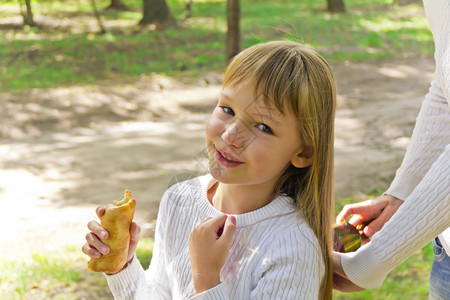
<point>227,110</point>
<point>264,128</point>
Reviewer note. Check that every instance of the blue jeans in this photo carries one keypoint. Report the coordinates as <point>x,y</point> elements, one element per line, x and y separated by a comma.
<point>440,273</point>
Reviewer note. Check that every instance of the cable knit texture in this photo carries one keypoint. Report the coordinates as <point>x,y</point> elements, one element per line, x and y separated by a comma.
<point>274,253</point>
<point>423,179</point>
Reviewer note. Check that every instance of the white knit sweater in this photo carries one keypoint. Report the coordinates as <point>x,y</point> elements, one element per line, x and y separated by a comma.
<point>274,253</point>
<point>423,179</point>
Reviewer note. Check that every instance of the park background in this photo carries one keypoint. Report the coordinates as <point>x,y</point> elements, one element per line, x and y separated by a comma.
<point>87,112</point>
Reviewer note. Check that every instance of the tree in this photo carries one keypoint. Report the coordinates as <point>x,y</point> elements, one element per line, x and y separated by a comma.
<point>405,2</point>
<point>233,42</point>
<point>117,5</point>
<point>188,9</point>
<point>336,6</point>
<point>97,16</point>
<point>28,16</point>
<point>156,12</point>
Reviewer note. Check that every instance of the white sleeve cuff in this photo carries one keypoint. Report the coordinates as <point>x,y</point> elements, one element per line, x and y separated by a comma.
<point>216,293</point>
<point>353,264</point>
<point>403,185</point>
<point>126,281</point>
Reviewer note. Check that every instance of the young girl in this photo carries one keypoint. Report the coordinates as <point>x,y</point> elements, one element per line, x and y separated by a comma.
<point>259,226</point>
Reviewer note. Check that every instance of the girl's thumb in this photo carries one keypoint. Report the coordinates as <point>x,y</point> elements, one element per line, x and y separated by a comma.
<point>228,230</point>
<point>135,231</point>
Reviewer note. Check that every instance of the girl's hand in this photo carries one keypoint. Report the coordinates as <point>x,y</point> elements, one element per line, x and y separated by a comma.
<point>95,248</point>
<point>209,244</point>
<point>340,280</point>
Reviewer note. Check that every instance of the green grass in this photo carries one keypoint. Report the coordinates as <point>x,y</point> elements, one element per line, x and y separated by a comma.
<point>65,276</point>
<point>62,275</point>
<point>57,55</point>
<point>408,281</point>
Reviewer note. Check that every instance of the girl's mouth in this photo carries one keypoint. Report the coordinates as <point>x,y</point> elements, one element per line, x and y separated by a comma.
<point>227,160</point>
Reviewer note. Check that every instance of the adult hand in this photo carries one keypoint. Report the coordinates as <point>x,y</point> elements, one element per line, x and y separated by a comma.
<point>95,248</point>
<point>375,211</point>
<point>209,244</point>
<point>340,280</point>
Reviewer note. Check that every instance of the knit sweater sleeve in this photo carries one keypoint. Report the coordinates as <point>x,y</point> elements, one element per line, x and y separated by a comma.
<point>423,180</point>
<point>430,137</point>
<point>133,282</point>
<point>432,130</point>
<point>422,217</point>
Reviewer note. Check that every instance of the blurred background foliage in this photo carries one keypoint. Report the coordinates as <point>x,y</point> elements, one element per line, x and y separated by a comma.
<point>66,47</point>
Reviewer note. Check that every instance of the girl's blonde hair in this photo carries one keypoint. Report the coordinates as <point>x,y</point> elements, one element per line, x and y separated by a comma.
<point>295,78</point>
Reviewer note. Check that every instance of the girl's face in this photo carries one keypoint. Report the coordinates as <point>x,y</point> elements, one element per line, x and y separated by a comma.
<point>248,142</point>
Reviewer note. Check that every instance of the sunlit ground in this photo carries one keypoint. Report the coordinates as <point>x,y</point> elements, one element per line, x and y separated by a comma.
<point>85,116</point>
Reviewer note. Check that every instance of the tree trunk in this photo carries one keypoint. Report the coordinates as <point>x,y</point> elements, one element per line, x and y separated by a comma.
<point>336,6</point>
<point>233,42</point>
<point>188,9</point>
<point>97,16</point>
<point>156,12</point>
<point>28,16</point>
<point>405,2</point>
<point>117,5</point>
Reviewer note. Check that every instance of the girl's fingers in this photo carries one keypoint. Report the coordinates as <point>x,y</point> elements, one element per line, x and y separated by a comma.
<point>96,228</point>
<point>228,231</point>
<point>96,243</point>
<point>135,231</point>
<point>206,220</point>
<point>100,211</point>
<point>90,251</point>
<point>218,224</point>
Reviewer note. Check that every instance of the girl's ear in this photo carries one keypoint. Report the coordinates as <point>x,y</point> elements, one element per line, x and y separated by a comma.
<point>304,158</point>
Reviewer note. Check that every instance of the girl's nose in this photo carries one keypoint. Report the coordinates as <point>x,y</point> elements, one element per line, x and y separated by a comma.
<point>236,134</point>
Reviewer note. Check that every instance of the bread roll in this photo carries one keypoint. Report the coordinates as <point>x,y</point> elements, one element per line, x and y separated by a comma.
<point>116,220</point>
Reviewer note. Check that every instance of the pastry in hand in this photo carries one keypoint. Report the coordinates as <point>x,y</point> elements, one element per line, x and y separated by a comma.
<point>117,221</point>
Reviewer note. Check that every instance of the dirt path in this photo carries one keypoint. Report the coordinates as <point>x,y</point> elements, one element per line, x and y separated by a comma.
<point>64,151</point>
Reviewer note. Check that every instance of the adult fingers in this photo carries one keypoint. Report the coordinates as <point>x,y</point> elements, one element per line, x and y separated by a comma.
<point>96,228</point>
<point>365,211</point>
<point>356,220</point>
<point>379,222</point>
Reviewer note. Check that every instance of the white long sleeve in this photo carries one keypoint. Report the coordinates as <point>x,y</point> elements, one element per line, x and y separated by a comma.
<point>133,282</point>
<point>274,254</point>
<point>430,136</point>
<point>423,180</point>
<point>421,218</point>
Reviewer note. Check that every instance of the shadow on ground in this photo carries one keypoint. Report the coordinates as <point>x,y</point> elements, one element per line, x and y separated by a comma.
<point>66,150</point>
